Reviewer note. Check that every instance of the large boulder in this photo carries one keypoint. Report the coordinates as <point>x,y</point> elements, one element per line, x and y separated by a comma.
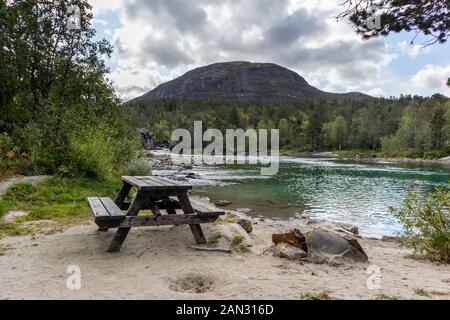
<point>340,228</point>
<point>326,246</point>
<point>287,251</point>
<point>234,234</point>
<point>294,238</point>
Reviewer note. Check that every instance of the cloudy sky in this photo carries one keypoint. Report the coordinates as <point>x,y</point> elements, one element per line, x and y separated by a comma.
<point>157,40</point>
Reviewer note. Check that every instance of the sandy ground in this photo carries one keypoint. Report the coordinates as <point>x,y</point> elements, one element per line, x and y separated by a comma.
<point>157,263</point>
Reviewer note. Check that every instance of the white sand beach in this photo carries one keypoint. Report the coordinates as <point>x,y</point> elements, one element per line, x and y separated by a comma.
<point>157,263</point>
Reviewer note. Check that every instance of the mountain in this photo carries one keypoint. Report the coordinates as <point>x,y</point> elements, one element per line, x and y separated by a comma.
<point>241,81</point>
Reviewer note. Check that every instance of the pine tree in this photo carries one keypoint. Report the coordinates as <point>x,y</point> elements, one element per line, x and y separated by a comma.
<point>437,127</point>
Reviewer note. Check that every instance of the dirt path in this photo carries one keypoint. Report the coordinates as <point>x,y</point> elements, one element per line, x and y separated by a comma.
<point>156,263</point>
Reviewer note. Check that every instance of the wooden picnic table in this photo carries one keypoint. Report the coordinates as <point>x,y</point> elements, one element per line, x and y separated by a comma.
<point>160,195</point>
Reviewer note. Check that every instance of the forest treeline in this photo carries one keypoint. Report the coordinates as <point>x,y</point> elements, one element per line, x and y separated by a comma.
<point>410,126</point>
<point>58,112</point>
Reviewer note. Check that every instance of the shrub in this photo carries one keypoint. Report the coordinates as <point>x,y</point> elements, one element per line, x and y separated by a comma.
<point>5,144</point>
<point>139,167</point>
<point>89,154</point>
<point>426,224</point>
<point>3,167</point>
<point>435,154</point>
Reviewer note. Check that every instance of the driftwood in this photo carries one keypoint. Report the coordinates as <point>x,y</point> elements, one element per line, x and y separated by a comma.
<point>205,248</point>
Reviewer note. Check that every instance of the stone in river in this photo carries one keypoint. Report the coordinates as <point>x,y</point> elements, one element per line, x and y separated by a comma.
<point>222,203</point>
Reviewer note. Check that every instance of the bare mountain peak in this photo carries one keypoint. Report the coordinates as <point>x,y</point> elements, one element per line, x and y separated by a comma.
<point>241,81</point>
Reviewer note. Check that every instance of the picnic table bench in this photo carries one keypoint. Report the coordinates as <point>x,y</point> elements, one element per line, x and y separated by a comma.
<point>158,195</point>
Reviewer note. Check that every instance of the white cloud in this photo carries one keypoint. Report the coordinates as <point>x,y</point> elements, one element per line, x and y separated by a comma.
<point>412,50</point>
<point>375,92</point>
<point>100,22</point>
<point>160,39</point>
<point>432,78</point>
<point>132,82</point>
<point>100,6</point>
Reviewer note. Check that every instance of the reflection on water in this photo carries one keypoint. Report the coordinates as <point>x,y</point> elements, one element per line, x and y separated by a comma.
<point>357,193</point>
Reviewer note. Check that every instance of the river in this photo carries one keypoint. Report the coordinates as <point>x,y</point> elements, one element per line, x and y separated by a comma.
<point>359,193</point>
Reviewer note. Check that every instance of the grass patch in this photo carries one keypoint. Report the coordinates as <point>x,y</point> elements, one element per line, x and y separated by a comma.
<point>428,294</point>
<point>315,296</point>
<point>229,218</point>
<point>214,240</point>
<point>237,240</point>
<point>243,249</point>
<point>400,154</point>
<point>440,293</point>
<point>58,201</point>
<point>422,292</point>
<point>382,296</point>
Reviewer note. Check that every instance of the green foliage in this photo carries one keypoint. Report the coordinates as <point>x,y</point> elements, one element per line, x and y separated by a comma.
<point>315,296</point>
<point>214,240</point>
<point>20,191</point>
<point>414,131</point>
<point>422,292</point>
<point>426,224</point>
<point>437,127</point>
<point>335,133</point>
<point>89,153</point>
<point>237,240</point>
<point>54,93</point>
<point>138,167</point>
<point>430,18</point>
<point>436,154</point>
<point>391,125</point>
<point>382,296</point>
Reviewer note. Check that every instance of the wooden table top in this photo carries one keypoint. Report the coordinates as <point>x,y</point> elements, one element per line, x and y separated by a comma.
<point>154,183</point>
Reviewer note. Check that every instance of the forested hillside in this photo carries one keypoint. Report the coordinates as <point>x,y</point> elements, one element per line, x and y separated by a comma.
<point>405,126</point>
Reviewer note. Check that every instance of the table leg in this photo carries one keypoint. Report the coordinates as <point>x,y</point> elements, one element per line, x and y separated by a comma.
<point>122,195</point>
<point>122,233</point>
<point>196,229</point>
<point>169,207</point>
<point>154,208</point>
